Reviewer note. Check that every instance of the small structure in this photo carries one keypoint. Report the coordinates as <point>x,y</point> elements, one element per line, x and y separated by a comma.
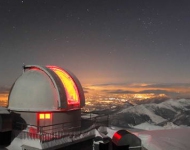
<point>123,139</point>
<point>116,139</point>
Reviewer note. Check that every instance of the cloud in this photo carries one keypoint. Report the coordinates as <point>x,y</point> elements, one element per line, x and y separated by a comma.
<point>168,85</point>
<point>85,91</point>
<point>145,85</point>
<point>154,91</point>
<point>86,88</point>
<point>119,91</point>
<point>173,90</point>
<point>107,84</point>
<point>169,93</point>
<point>4,89</point>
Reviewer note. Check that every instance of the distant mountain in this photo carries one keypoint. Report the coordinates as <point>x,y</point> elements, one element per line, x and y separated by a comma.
<point>176,112</point>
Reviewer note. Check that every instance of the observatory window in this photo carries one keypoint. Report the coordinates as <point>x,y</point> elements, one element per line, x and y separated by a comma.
<point>41,116</point>
<point>47,116</point>
<point>44,116</point>
<point>69,84</point>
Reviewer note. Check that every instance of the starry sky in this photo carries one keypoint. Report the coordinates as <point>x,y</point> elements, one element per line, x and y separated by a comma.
<point>100,41</point>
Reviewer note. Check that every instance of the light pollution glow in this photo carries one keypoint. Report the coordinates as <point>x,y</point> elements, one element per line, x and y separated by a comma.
<point>3,99</point>
<point>141,91</point>
<point>125,92</point>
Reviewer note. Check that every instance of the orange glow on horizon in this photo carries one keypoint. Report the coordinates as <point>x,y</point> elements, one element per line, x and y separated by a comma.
<point>70,87</point>
<point>4,99</point>
<point>136,90</point>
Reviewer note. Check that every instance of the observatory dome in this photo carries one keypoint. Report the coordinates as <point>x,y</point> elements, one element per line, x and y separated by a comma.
<point>48,88</point>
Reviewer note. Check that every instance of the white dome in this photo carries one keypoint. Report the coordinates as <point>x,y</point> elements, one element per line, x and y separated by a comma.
<point>43,89</point>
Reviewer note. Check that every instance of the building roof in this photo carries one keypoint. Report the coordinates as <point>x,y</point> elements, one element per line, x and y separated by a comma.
<point>4,110</point>
<point>47,88</point>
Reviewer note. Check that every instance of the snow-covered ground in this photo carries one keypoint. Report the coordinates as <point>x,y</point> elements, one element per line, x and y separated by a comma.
<point>163,126</point>
<point>148,126</point>
<point>153,137</point>
<point>174,111</point>
<point>168,139</point>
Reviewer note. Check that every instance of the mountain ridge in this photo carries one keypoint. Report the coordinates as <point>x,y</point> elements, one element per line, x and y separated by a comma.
<point>175,111</point>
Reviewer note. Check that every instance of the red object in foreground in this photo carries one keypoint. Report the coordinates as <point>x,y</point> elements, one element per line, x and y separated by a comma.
<point>117,136</point>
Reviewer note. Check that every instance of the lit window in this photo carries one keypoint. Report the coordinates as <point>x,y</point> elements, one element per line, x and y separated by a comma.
<point>41,116</point>
<point>47,116</point>
<point>44,116</point>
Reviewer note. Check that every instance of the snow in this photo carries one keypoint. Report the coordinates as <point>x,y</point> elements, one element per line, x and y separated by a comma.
<point>170,125</point>
<point>155,137</point>
<point>169,139</point>
<point>170,110</point>
<point>171,104</point>
<point>141,109</point>
<point>17,143</point>
<point>89,115</point>
<point>111,132</point>
<point>161,138</point>
<point>148,126</point>
<point>4,110</point>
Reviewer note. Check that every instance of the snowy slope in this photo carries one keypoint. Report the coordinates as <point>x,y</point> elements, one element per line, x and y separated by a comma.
<point>176,112</point>
<point>143,110</point>
<point>173,139</point>
<point>163,126</point>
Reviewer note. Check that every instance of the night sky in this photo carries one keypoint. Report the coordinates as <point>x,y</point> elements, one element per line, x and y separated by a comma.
<point>100,41</point>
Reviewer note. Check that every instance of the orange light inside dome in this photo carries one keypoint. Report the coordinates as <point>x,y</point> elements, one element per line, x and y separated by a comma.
<point>70,87</point>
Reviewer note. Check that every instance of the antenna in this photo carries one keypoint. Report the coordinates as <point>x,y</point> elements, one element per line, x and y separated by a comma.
<point>23,67</point>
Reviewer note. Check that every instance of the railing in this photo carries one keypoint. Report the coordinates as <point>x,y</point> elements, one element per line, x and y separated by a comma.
<point>58,131</point>
<point>98,120</point>
<point>50,132</point>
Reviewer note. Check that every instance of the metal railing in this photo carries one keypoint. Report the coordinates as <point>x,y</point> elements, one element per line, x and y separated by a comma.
<point>61,130</point>
<point>49,132</point>
<point>103,119</point>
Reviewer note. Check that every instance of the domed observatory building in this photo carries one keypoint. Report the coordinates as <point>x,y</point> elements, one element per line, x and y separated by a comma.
<point>46,96</point>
